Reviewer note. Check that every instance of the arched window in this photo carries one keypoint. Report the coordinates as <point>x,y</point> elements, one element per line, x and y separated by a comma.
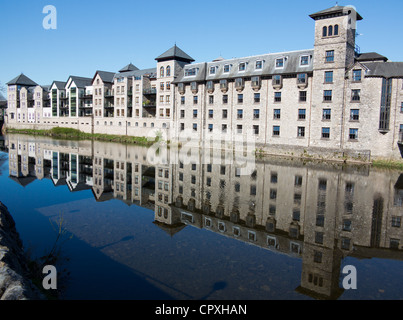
<point>162,71</point>
<point>168,71</point>
<point>330,31</point>
<point>336,30</point>
<point>324,34</point>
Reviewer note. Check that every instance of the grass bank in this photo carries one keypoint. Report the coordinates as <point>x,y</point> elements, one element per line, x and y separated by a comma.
<point>388,164</point>
<point>68,133</point>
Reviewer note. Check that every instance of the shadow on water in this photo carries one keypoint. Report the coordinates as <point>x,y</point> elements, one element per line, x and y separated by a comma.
<point>220,285</point>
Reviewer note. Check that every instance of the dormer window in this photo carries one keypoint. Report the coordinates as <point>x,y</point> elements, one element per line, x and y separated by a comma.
<point>276,80</point>
<point>301,78</point>
<point>190,72</point>
<point>242,66</point>
<point>280,63</point>
<point>259,65</point>
<point>357,75</point>
<point>226,68</point>
<point>304,61</point>
<point>212,70</point>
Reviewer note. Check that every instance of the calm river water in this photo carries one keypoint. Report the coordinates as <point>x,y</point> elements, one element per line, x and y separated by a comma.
<point>155,223</point>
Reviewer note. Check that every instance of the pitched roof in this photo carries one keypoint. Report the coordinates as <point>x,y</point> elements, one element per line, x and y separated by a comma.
<point>333,12</point>
<point>371,56</point>
<point>137,73</point>
<point>59,84</point>
<point>129,67</point>
<point>81,82</point>
<point>384,69</point>
<point>106,76</point>
<point>175,53</point>
<point>2,98</point>
<point>22,80</point>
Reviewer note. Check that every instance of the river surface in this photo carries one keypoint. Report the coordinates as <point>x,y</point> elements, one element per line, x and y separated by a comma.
<point>157,223</point>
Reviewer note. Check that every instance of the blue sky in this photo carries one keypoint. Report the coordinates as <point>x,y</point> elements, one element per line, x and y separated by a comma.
<point>107,35</point>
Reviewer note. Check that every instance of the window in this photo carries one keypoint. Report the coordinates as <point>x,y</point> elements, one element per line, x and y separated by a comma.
<point>239,114</point>
<point>195,100</point>
<point>210,127</point>
<point>319,237</point>
<point>211,114</point>
<point>396,221</point>
<point>256,130</point>
<point>239,128</point>
<point>223,85</point>
<point>330,31</point>
<point>336,30</point>
<point>353,134</point>
<point>257,98</point>
<point>354,115</point>
<point>224,128</point>
<point>327,95</point>
<point>355,95</point>
<point>168,71</point>
<point>301,132</point>
<point>326,133</point>
<point>242,66</point>
<point>401,107</point>
<point>211,99</point>
<point>190,72</point>
<point>195,113</point>
<point>356,75</point>
<point>304,61</point>
<point>226,68</point>
<point>324,32</point>
<point>277,114</point>
<point>183,100</point>
<point>328,76</point>
<point>280,63</point>
<point>225,99</point>
<point>212,70</point>
<point>225,114</point>
<point>256,114</point>
<point>255,82</point>
<point>301,114</point>
<point>276,131</point>
<point>330,56</point>
<point>385,104</point>
<point>161,72</point>
<point>276,80</point>
<point>194,126</point>
<point>259,65</point>
<point>277,97</point>
<point>302,96</point>
<point>327,114</point>
<point>168,85</point>
<point>240,98</point>
<point>301,78</point>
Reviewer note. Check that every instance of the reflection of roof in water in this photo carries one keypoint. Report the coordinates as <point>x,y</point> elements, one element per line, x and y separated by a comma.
<point>170,229</point>
<point>23,181</point>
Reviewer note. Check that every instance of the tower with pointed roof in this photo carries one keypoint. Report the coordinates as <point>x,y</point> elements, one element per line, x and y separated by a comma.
<point>334,52</point>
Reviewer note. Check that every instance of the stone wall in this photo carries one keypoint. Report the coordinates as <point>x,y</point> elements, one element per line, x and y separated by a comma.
<point>14,284</point>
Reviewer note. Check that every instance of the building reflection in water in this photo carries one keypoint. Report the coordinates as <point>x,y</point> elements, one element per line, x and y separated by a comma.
<point>318,212</point>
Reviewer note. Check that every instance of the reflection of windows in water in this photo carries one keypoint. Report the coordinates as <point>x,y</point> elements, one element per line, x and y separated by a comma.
<point>221,227</point>
<point>298,181</point>
<point>320,220</point>
<point>296,215</point>
<point>398,198</point>
<point>394,243</point>
<point>346,225</point>
<point>349,188</point>
<point>348,206</point>
<point>254,175</point>
<point>236,231</point>
<point>345,243</point>
<point>237,187</point>
<point>319,237</point>
<point>322,184</point>
<point>270,227</point>
<point>207,222</point>
<point>396,221</point>
<point>208,195</point>
<point>293,232</point>
<point>193,193</point>
<point>251,236</point>
<point>317,256</point>
<point>272,209</point>
<point>297,198</point>
<point>253,190</point>
<point>295,248</point>
<point>273,194</point>
<point>271,241</point>
<point>316,280</point>
<point>273,178</point>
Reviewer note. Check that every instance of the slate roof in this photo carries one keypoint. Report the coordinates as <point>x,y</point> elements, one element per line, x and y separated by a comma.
<point>370,56</point>
<point>291,66</point>
<point>129,67</point>
<point>81,82</point>
<point>107,77</point>
<point>384,69</point>
<point>2,98</point>
<point>136,73</point>
<point>59,84</point>
<point>334,11</point>
<point>175,53</point>
<point>22,80</point>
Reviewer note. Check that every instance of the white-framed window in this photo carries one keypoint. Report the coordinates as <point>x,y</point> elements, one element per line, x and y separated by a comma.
<point>304,61</point>
<point>242,66</point>
<point>259,65</point>
<point>280,63</point>
<point>227,68</point>
<point>212,70</point>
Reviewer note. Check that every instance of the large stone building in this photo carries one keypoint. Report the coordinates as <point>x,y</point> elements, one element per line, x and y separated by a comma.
<point>330,100</point>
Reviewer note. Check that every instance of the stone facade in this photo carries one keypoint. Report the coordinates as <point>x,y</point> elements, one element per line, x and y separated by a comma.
<point>330,98</point>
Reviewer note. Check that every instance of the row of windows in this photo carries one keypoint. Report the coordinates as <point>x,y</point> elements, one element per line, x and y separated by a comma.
<point>329,31</point>
<point>165,71</point>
